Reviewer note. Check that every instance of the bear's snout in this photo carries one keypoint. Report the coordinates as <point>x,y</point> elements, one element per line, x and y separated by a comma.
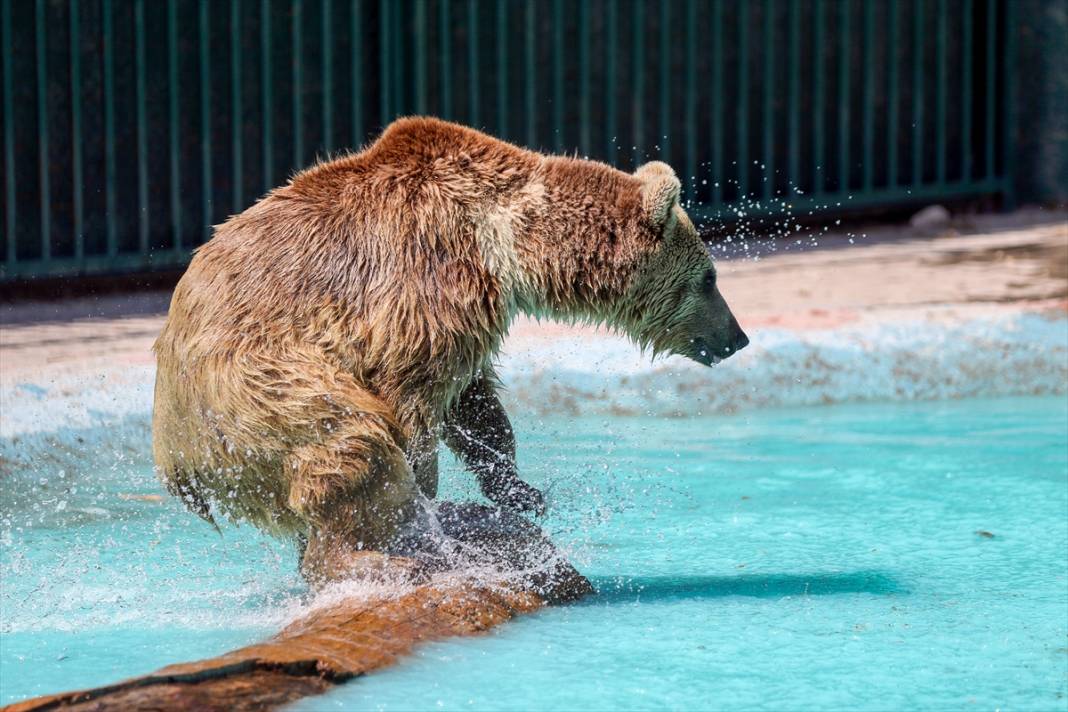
<point>720,345</point>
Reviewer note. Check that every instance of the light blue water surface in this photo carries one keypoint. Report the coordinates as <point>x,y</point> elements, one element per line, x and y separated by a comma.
<point>813,558</point>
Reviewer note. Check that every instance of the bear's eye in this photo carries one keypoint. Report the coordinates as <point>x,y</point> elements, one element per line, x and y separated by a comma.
<point>709,282</point>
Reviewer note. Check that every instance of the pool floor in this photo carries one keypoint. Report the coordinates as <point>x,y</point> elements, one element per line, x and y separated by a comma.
<point>871,556</point>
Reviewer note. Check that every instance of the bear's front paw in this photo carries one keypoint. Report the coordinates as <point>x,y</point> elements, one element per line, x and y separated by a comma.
<point>521,497</point>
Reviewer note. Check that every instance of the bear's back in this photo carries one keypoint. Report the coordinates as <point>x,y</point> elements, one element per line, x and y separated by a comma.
<point>350,233</point>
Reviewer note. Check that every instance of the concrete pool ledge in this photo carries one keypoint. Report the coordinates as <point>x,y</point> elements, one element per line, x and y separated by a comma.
<point>932,353</point>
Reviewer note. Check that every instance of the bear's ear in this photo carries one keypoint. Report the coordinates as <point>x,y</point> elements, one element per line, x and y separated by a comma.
<point>660,191</point>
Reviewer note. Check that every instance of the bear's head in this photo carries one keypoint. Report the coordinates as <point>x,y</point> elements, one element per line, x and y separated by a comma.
<point>673,301</point>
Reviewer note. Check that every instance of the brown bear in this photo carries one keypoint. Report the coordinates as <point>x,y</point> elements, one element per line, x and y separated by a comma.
<point>321,343</point>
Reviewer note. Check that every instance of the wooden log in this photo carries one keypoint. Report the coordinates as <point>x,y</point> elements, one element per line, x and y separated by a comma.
<point>355,635</point>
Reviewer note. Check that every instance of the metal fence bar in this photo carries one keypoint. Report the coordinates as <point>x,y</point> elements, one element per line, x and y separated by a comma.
<point>397,57</point>
<point>204,31</point>
<point>794,110</point>
<point>530,82</point>
<point>357,71</point>
<point>991,82</point>
<point>917,93</point>
<point>941,91</point>
<point>664,127</point>
<point>843,98</point>
<point>76,130</point>
<point>172,97</point>
<point>690,96</point>
<point>236,115</point>
<point>717,102</point>
<point>638,97</point>
<point>472,61</point>
<point>383,63</point>
<point>967,94</point>
<point>110,208</point>
<point>558,75</point>
<point>42,130</point>
<point>142,128</point>
<point>298,83</point>
<point>327,27</point>
<point>819,152</point>
<point>445,59</point>
<point>584,77</point>
<point>868,63</point>
<point>1007,104</point>
<point>768,159</point>
<point>611,81</point>
<point>420,56</point>
<point>266,95</point>
<point>743,101</point>
<point>501,42</point>
<point>11,208</point>
<point>892,96</point>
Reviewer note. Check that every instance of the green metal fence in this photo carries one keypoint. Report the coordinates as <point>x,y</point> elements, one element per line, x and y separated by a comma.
<point>131,126</point>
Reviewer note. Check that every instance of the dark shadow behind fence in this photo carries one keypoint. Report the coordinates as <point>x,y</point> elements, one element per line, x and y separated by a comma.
<point>131,126</point>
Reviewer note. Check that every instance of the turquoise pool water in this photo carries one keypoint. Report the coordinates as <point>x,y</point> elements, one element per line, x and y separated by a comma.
<point>824,557</point>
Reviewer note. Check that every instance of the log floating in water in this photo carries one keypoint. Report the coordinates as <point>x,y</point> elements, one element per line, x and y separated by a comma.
<point>333,644</point>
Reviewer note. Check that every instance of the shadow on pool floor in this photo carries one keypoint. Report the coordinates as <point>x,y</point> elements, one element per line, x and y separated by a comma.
<point>668,588</point>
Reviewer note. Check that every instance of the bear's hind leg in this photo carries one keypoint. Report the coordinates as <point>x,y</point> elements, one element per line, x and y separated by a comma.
<point>355,490</point>
<point>349,480</point>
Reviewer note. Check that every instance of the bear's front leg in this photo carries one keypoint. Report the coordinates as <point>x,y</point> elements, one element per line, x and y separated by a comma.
<point>478,431</point>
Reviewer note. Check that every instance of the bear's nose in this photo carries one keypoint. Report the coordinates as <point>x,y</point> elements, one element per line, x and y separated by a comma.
<point>740,341</point>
